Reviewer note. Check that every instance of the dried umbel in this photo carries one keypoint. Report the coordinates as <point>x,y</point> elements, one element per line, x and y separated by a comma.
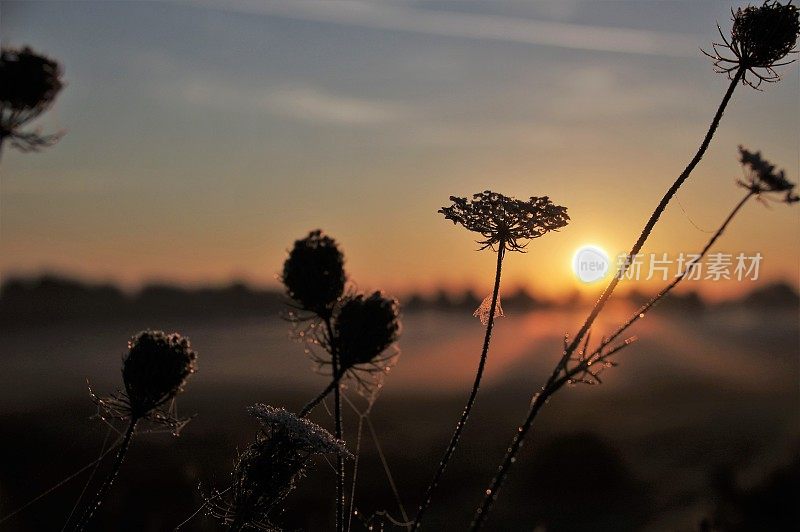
<point>762,178</point>
<point>268,470</point>
<point>314,273</point>
<point>504,220</point>
<point>761,37</point>
<point>29,83</point>
<point>155,369</point>
<point>364,328</point>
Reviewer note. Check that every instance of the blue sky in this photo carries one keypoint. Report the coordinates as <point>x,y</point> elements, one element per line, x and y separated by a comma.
<point>204,137</point>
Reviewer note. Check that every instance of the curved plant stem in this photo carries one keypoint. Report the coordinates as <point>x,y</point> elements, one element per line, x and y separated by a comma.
<point>554,384</point>
<point>311,405</point>
<point>550,386</point>
<point>662,205</point>
<point>639,314</point>
<point>97,500</point>
<point>337,414</point>
<point>462,422</point>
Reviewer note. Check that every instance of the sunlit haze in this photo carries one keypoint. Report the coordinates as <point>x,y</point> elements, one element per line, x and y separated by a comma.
<point>203,138</point>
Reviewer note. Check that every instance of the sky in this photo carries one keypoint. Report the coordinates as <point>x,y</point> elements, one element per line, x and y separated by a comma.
<point>204,137</point>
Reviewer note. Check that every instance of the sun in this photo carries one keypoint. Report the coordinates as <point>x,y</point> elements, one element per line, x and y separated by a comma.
<point>590,263</point>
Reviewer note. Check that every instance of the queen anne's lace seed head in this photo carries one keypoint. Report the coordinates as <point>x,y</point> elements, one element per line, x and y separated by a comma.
<point>155,369</point>
<point>764,35</point>
<point>365,327</point>
<point>506,221</point>
<point>29,84</point>
<point>314,273</point>
<point>762,178</point>
<point>30,80</point>
<point>760,38</point>
<point>269,469</point>
<point>299,432</point>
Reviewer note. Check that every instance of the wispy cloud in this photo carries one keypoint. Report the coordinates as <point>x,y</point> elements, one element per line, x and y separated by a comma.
<point>406,18</point>
<point>295,101</point>
<point>311,104</point>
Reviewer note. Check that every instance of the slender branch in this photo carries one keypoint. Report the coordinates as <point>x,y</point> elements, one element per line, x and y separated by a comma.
<point>311,405</point>
<point>662,205</point>
<point>462,422</point>
<point>94,505</point>
<point>556,382</point>
<point>337,414</point>
<point>550,386</point>
<point>639,314</point>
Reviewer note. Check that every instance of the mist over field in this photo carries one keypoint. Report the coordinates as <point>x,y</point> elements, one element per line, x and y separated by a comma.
<point>703,411</point>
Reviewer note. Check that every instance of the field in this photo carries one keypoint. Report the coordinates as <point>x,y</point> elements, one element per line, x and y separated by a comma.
<point>700,418</point>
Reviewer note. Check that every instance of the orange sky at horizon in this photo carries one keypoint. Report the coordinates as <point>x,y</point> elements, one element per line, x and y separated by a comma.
<point>202,140</point>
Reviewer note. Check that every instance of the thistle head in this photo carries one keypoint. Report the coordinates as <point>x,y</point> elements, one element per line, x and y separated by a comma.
<point>762,178</point>
<point>505,222</point>
<point>364,328</point>
<point>30,81</point>
<point>313,273</point>
<point>155,369</point>
<point>761,37</point>
<point>269,469</point>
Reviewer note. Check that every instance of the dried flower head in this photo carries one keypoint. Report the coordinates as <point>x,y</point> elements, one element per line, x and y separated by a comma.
<point>30,84</point>
<point>269,469</point>
<point>505,221</point>
<point>314,273</point>
<point>302,433</point>
<point>761,176</point>
<point>760,38</point>
<point>364,328</point>
<point>154,371</point>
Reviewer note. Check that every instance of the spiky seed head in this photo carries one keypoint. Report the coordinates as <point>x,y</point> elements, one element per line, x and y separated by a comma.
<point>29,80</point>
<point>155,369</point>
<point>765,34</point>
<point>313,273</point>
<point>365,327</point>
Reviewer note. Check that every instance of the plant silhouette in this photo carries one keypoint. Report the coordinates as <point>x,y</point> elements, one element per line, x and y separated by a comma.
<point>506,224</point>
<point>762,36</point>
<point>269,469</point>
<point>352,330</point>
<point>154,371</point>
<point>30,84</point>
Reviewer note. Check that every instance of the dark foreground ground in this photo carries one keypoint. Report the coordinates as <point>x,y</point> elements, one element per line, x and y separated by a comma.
<point>700,422</point>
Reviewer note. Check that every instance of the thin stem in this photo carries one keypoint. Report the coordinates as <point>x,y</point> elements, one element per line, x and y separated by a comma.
<point>662,205</point>
<point>462,422</point>
<point>94,505</point>
<point>356,457</point>
<point>555,382</point>
<point>337,414</point>
<point>639,314</point>
<point>549,388</point>
<point>322,395</point>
